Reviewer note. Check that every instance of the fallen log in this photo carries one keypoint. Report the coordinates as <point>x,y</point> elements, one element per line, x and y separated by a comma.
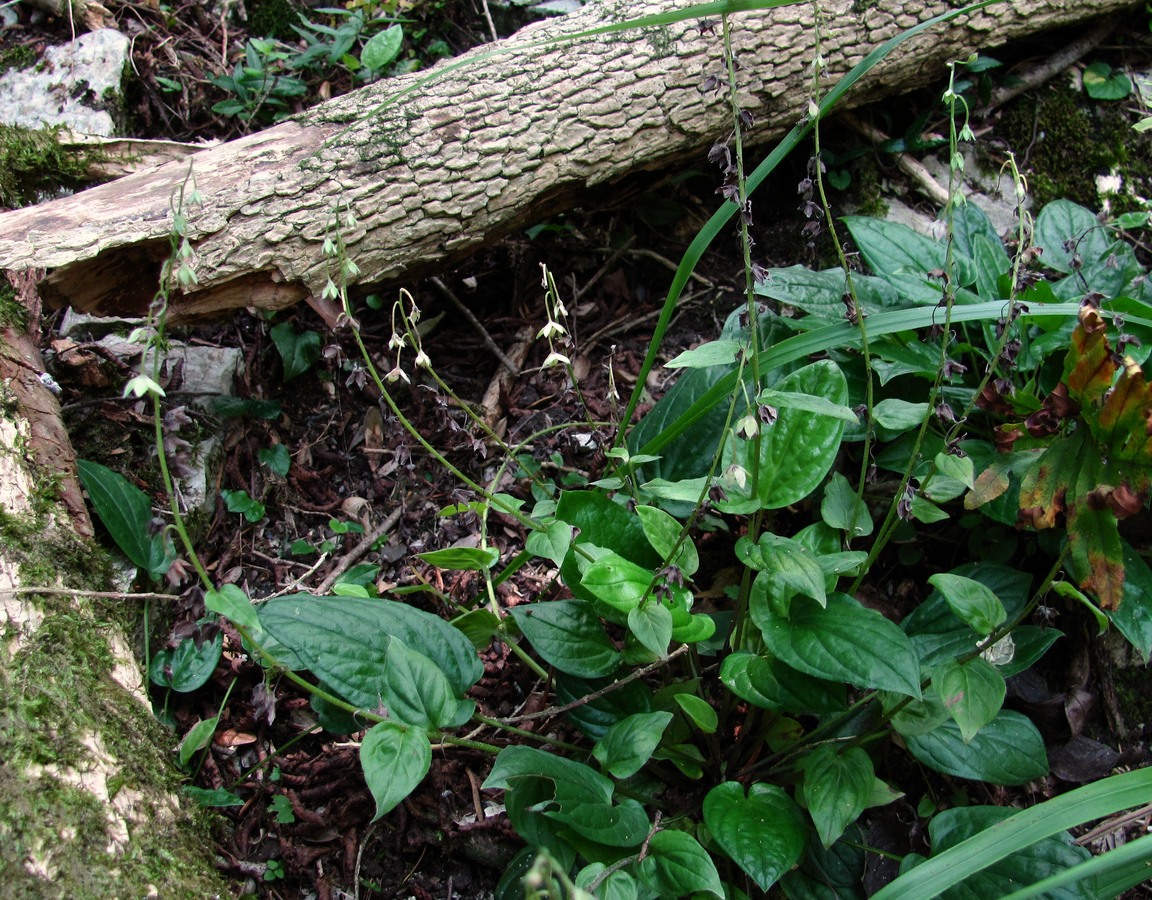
<point>433,169</point>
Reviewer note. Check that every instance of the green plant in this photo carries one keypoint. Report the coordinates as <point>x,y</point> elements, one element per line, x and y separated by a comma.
<point>737,746</point>
<point>260,93</point>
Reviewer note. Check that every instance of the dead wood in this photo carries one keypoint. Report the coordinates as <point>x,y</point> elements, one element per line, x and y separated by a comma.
<point>499,142</point>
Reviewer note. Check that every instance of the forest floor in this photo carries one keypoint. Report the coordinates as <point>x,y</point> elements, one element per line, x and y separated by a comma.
<point>360,497</point>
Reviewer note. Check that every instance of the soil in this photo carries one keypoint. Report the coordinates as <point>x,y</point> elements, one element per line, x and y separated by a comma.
<point>305,829</point>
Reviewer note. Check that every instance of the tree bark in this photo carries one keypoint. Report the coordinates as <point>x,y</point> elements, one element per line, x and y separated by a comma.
<point>496,143</point>
<point>88,794</point>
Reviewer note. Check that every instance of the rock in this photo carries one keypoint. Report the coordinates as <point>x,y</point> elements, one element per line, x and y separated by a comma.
<point>77,85</point>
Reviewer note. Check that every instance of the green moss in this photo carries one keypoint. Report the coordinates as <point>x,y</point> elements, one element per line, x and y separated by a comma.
<point>273,18</point>
<point>21,57</point>
<point>1067,142</point>
<point>12,311</point>
<point>33,164</point>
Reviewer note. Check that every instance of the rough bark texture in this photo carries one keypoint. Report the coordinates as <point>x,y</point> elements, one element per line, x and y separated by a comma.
<point>88,793</point>
<point>493,145</point>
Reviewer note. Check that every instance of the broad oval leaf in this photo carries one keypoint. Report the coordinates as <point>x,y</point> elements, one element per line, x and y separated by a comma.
<point>186,667</point>
<point>797,450</point>
<point>328,632</point>
<point>463,559</point>
<point>232,603</point>
<point>837,788</point>
<point>617,582</point>
<point>395,760</point>
<point>842,508</point>
<point>417,692</point>
<point>770,684</point>
<point>972,602</point>
<point>628,745</point>
<point>713,353</point>
<point>843,642</point>
<point>651,625</point>
<point>677,866</point>
<point>972,692</point>
<point>699,711</point>
<point>568,636</point>
<point>663,532</point>
<point>126,512</point>
<point>383,48</point>
<point>1008,751</point>
<point>1046,857</point>
<point>763,832</point>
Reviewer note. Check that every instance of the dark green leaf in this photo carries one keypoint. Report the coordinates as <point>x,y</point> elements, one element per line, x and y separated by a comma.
<point>615,581</point>
<point>551,542</point>
<point>651,625</point>
<point>345,641</point>
<point>972,602</point>
<point>1133,618</point>
<point>395,760</point>
<point>198,737</point>
<point>240,502</point>
<point>276,458</point>
<point>215,798</point>
<point>1040,860</point>
<point>568,636</point>
<point>417,692</point>
<point>763,832</point>
<point>298,350</point>
<point>842,508</point>
<point>663,532</point>
<point>126,513</point>
<point>796,451</point>
<point>770,684</point>
<point>232,603</point>
<point>677,866</point>
<point>186,667</point>
<point>972,692</point>
<point>837,786</point>
<point>843,642</point>
<point>698,711</point>
<point>628,745</point>
<point>1008,750</point>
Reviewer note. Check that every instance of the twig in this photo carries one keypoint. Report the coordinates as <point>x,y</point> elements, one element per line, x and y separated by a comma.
<point>1051,66</point>
<point>359,551</point>
<point>911,167</point>
<point>596,695</point>
<point>495,39</point>
<point>450,295</point>
<point>97,595</point>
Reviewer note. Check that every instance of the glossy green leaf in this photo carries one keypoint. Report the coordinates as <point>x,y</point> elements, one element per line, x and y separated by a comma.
<point>833,873</point>
<point>186,666</point>
<point>383,47</point>
<point>243,503</point>
<point>713,353</point>
<point>232,603</point>
<point>844,642</point>
<point>356,629</point>
<point>298,350</point>
<point>899,415</point>
<point>416,691</point>
<point>763,833</point>
<point>1035,862</point>
<point>677,866</point>
<point>663,532</point>
<point>972,692</point>
<point>841,508</point>
<point>698,711</point>
<point>198,737</point>
<point>628,745</point>
<point>277,458</point>
<point>617,582</point>
<point>785,568</point>
<point>837,787</point>
<point>550,542</point>
<point>1008,750</point>
<point>127,513</point>
<point>462,559</point>
<point>1003,839</point>
<point>651,625</point>
<point>697,629</point>
<point>796,451</point>
<point>972,602</point>
<point>820,406</point>
<point>770,684</point>
<point>568,635</point>
<point>395,760</point>
<point>1133,618</point>
<point>618,885</point>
